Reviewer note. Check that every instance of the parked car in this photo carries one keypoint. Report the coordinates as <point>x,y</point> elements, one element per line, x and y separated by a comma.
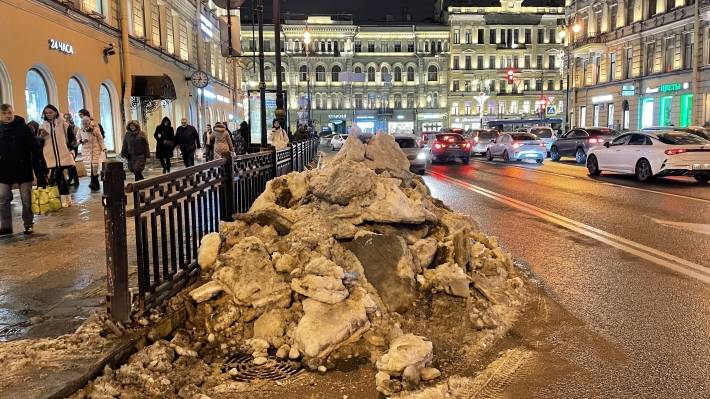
<point>325,140</point>
<point>480,139</point>
<point>447,147</point>
<point>517,147</point>
<point>416,156</point>
<point>544,133</point>
<point>577,142</point>
<point>696,130</point>
<point>651,154</point>
<point>337,141</point>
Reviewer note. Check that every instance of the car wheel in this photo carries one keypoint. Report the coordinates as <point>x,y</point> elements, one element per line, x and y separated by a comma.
<point>580,156</point>
<point>506,157</point>
<point>593,166</point>
<point>489,156</point>
<point>643,170</point>
<point>466,160</point>
<point>539,160</point>
<point>702,178</point>
<point>554,154</point>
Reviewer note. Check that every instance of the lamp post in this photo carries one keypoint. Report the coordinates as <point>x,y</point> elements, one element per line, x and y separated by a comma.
<point>280,111</point>
<point>306,43</point>
<point>563,34</point>
<point>483,95</point>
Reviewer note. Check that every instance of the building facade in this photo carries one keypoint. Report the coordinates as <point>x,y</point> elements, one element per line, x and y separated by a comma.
<point>639,63</point>
<point>386,77</point>
<point>68,53</point>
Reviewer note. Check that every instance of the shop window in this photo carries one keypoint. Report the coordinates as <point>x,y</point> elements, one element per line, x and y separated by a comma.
<point>686,110</point>
<point>665,113</point>
<point>582,116</point>
<point>75,95</point>
<point>595,115</point>
<point>646,113</point>
<point>106,115</point>
<point>610,115</point>
<point>36,95</point>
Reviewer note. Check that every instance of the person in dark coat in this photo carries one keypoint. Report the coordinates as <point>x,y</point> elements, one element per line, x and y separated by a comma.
<point>16,149</point>
<point>73,144</point>
<point>301,134</point>
<point>39,165</point>
<point>165,143</point>
<point>135,149</point>
<point>188,139</point>
<point>245,132</point>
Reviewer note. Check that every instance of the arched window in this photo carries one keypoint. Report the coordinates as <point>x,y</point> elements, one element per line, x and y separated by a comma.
<point>335,73</point>
<point>320,73</point>
<point>303,73</point>
<point>410,74</point>
<point>397,74</point>
<point>36,95</point>
<point>371,74</point>
<point>384,72</point>
<point>75,95</point>
<point>358,69</point>
<point>432,74</point>
<point>106,115</point>
<point>267,74</point>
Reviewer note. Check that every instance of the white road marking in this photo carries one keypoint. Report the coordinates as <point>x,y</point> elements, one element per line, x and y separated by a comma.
<point>660,258</point>
<point>694,227</point>
<point>530,169</point>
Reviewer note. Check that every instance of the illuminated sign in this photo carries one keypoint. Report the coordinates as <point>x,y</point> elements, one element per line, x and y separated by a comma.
<point>429,116</point>
<point>62,47</point>
<point>338,116</point>
<point>628,90</point>
<point>651,90</point>
<point>674,87</point>
<point>602,99</point>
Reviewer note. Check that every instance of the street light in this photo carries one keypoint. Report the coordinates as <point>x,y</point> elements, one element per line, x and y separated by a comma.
<point>576,27</point>
<point>306,43</point>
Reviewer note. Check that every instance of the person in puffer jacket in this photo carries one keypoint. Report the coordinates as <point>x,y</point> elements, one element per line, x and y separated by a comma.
<point>93,150</point>
<point>135,149</point>
<point>56,152</point>
<point>222,141</point>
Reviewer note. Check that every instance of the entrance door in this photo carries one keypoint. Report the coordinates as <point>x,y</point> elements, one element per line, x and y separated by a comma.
<point>665,111</point>
<point>646,114</point>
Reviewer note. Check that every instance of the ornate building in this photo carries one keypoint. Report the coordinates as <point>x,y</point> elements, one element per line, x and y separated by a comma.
<point>388,77</point>
<point>639,63</point>
<point>491,42</point>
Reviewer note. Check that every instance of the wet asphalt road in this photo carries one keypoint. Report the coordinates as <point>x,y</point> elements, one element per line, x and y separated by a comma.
<point>624,275</point>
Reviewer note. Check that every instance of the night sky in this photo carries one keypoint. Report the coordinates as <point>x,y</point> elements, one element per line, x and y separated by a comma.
<point>361,9</point>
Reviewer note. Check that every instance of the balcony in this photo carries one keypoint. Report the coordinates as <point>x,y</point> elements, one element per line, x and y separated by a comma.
<point>511,46</point>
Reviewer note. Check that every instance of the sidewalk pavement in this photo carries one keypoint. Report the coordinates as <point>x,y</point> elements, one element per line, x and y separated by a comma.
<point>51,281</point>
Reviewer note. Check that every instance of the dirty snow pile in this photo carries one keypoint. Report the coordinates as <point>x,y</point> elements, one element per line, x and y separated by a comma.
<point>334,264</point>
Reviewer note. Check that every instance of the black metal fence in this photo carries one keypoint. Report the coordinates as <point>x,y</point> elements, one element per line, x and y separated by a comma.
<point>171,213</point>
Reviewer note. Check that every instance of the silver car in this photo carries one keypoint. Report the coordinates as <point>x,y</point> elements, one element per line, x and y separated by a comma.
<point>415,154</point>
<point>517,147</point>
<point>544,133</point>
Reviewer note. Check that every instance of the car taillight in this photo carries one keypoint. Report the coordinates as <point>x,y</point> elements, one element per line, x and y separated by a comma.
<point>516,145</point>
<point>596,141</point>
<point>467,145</point>
<point>675,151</point>
<point>542,144</point>
<point>437,146</point>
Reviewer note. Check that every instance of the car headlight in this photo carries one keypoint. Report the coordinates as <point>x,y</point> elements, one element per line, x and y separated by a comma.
<point>421,155</point>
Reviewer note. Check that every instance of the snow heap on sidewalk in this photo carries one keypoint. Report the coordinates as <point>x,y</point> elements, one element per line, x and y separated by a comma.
<point>331,264</point>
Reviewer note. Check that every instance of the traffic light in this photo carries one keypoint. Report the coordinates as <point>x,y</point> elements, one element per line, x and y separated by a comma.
<point>510,75</point>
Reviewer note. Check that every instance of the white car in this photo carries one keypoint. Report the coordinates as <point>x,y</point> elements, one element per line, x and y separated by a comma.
<point>416,155</point>
<point>544,133</point>
<point>516,147</point>
<point>650,154</point>
<point>337,141</point>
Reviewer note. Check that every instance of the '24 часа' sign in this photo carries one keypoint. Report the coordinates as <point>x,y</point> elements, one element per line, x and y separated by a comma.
<point>62,47</point>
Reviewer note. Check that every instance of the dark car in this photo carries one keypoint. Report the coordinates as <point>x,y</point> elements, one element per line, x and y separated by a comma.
<point>577,142</point>
<point>447,147</point>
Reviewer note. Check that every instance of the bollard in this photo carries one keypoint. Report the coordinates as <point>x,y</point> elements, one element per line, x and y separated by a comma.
<point>114,203</point>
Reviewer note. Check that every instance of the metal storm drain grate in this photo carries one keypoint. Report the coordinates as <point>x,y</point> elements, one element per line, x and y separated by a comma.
<point>273,370</point>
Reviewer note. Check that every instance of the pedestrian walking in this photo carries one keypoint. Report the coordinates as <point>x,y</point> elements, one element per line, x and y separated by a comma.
<point>16,146</point>
<point>55,150</point>
<point>301,134</point>
<point>188,140</point>
<point>85,113</point>
<point>39,165</point>
<point>165,143</point>
<point>278,137</point>
<point>73,144</point>
<point>93,150</point>
<point>245,132</point>
<point>208,139</point>
<point>135,149</point>
<point>223,145</point>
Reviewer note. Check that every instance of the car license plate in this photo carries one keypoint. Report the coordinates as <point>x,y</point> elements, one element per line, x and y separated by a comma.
<point>454,146</point>
<point>701,166</point>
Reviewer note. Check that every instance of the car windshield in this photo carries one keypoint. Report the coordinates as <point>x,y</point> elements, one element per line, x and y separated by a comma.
<point>681,138</point>
<point>603,132</point>
<point>523,136</point>
<point>542,133</point>
<point>449,137</point>
<point>406,142</point>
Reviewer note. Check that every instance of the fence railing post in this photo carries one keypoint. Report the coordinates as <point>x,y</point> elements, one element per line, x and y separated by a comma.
<point>228,206</point>
<point>275,162</point>
<point>114,203</point>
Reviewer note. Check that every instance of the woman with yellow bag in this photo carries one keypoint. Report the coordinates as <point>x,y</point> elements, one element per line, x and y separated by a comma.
<point>56,152</point>
<point>15,168</point>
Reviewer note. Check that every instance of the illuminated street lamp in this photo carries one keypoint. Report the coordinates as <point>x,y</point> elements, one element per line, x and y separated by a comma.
<point>576,28</point>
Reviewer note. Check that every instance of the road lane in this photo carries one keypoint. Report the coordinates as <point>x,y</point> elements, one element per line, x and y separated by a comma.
<point>621,326</point>
<point>628,213</point>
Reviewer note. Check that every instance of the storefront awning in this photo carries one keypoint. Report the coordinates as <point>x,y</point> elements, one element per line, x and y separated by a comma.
<point>153,87</point>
